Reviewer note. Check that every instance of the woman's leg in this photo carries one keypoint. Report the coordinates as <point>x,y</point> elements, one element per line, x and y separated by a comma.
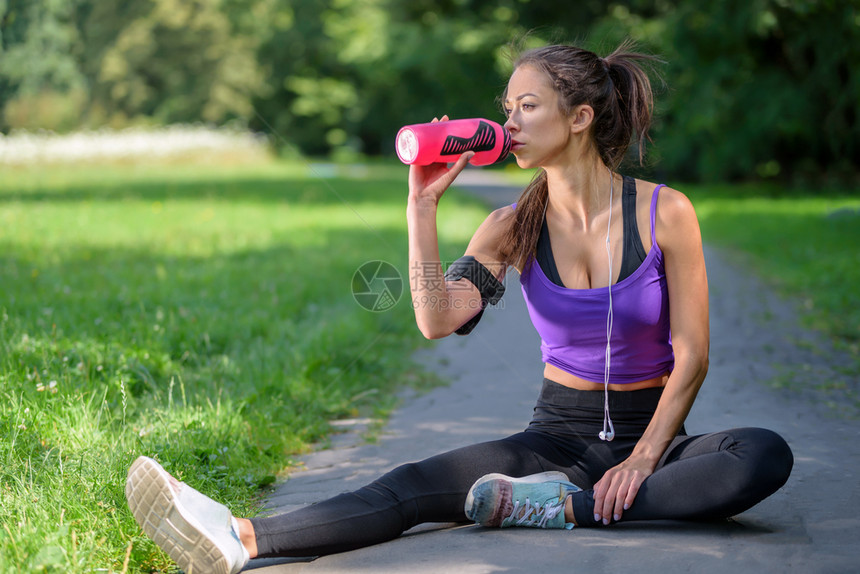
<point>704,477</point>
<point>433,490</point>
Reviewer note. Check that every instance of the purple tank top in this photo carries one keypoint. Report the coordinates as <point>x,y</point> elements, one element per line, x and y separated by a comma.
<point>572,322</point>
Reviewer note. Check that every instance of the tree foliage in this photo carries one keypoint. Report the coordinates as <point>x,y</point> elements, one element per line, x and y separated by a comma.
<point>756,88</point>
<point>772,90</point>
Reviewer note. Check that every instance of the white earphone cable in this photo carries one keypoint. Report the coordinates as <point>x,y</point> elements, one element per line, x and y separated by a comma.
<point>608,432</point>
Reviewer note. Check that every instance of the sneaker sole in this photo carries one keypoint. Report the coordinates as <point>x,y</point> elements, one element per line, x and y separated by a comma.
<point>153,503</point>
<point>547,476</point>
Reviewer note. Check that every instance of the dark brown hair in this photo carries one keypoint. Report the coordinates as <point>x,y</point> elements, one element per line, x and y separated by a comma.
<point>618,89</point>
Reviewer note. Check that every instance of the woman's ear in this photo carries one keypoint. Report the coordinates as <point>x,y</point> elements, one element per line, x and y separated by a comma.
<point>581,118</point>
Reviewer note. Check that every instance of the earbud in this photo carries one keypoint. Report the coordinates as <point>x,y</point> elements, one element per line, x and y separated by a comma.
<point>608,432</point>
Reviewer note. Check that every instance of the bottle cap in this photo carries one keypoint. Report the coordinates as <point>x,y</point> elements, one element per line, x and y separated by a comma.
<point>407,145</point>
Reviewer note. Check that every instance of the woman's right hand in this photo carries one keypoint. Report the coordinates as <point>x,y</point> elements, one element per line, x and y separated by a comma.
<point>427,183</point>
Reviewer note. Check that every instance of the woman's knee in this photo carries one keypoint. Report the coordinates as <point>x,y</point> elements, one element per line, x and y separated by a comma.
<point>398,485</point>
<point>769,456</point>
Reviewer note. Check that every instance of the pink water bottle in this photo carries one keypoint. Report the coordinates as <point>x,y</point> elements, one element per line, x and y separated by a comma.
<point>423,144</point>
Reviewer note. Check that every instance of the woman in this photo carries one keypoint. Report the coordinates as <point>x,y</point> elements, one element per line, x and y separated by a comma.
<point>623,317</point>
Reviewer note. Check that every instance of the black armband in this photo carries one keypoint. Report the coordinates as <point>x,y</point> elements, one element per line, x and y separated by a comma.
<point>490,288</point>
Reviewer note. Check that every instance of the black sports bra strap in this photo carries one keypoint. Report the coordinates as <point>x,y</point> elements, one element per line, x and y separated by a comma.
<point>545,258</point>
<point>633,253</point>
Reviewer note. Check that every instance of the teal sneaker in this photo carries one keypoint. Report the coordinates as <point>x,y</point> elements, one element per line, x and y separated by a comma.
<point>536,501</point>
<point>199,534</point>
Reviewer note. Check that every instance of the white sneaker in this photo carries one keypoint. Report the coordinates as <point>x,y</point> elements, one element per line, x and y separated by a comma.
<point>199,534</point>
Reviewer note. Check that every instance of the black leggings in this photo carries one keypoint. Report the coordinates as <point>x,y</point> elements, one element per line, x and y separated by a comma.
<point>701,477</point>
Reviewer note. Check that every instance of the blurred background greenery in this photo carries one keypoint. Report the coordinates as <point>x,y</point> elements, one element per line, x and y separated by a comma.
<point>756,89</point>
<point>160,302</point>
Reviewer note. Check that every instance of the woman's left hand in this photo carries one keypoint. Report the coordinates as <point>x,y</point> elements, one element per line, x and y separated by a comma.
<point>615,492</point>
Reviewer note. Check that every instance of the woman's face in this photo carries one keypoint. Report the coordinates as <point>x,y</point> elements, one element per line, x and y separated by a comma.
<point>539,130</point>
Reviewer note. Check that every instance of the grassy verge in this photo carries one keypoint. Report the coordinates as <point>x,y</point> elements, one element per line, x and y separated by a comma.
<point>805,245</point>
<point>202,316</point>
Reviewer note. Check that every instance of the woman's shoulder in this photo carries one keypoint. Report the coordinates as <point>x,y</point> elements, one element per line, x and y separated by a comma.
<point>675,217</point>
<point>671,203</point>
<point>503,214</point>
<point>674,207</point>
<point>498,221</point>
<point>487,240</point>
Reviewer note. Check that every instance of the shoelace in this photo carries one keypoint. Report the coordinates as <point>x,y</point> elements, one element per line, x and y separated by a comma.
<point>534,514</point>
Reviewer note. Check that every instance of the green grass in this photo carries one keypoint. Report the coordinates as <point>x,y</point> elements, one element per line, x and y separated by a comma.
<point>806,245</point>
<point>200,315</point>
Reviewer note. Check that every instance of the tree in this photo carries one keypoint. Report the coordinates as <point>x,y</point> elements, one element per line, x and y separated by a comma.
<point>40,81</point>
<point>762,88</point>
<point>180,62</point>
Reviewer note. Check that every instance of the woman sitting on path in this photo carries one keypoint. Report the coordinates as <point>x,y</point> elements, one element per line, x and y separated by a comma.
<point>623,318</point>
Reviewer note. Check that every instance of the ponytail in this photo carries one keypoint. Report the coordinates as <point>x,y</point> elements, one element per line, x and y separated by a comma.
<point>629,107</point>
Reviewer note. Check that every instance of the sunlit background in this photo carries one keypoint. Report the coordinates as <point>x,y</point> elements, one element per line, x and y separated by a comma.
<point>764,90</point>
<point>188,187</point>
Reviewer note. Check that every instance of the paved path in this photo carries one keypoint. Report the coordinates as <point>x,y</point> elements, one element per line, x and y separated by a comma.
<point>810,526</point>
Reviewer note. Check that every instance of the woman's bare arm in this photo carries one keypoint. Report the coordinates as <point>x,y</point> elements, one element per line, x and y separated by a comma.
<point>679,238</point>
